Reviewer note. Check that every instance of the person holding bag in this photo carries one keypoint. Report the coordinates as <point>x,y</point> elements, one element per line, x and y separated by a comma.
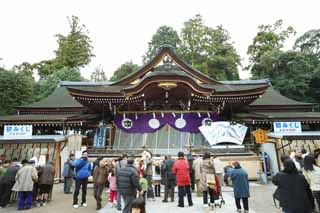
<point>207,179</point>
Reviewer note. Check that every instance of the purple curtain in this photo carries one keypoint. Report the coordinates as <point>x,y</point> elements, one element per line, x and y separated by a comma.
<point>147,123</point>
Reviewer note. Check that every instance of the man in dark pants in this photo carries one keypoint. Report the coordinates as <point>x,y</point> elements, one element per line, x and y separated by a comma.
<point>191,171</point>
<point>122,163</point>
<point>128,184</point>
<point>169,179</point>
<point>181,170</point>
<point>6,183</point>
<point>68,174</point>
<point>83,171</point>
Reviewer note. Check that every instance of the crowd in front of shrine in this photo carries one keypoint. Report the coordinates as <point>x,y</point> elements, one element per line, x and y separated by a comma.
<point>138,180</point>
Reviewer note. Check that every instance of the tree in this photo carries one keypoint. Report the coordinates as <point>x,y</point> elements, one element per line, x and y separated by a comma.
<point>209,49</point>
<point>309,42</point>
<point>289,71</point>
<point>75,49</point>
<point>164,35</point>
<point>16,88</point>
<point>269,38</point>
<point>124,70</point>
<point>47,86</point>
<point>314,86</point>
<point>98,75</point>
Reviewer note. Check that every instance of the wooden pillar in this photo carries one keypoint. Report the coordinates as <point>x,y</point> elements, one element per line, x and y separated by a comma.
<point>57,159</point>
<point>278,152</point>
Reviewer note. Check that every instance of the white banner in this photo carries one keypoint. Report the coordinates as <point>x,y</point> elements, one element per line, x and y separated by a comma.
<point>287,128</point>
<point>17,131</point>
<point>223,131</point>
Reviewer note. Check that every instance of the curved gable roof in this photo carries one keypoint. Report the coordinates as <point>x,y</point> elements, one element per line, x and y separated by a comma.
<point>166,50</point>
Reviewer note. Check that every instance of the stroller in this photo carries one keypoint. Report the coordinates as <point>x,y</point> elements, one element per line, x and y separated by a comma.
<point>217,193</point>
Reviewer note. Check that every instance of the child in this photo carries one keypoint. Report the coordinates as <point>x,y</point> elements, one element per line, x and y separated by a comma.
<point>138,205</point>
<point>113,189</point>
<point>144,185</point>
<point>156,178</point>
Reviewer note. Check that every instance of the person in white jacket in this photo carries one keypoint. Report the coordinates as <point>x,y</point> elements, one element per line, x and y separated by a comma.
<point>312,173</point>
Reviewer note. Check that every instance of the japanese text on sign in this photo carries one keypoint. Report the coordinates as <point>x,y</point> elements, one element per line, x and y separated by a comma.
<point>287,128</point>
<point>17,131</point>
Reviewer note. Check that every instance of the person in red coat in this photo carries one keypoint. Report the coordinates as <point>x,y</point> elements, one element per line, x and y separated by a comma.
<point>181,170</point>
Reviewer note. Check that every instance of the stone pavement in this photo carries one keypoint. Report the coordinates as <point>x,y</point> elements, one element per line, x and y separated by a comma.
<point>259,202</point>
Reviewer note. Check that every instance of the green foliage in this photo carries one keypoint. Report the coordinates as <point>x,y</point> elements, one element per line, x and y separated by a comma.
<point>75,49</point>
<point>209,49</point>
<point>16,88</point>
<point>124,70</point>
<point>98,75</point>
<point>269,38</point>
<point>290,72</point>
<point>309,42</point>
<point>47,86</point>
<point>164,35</point>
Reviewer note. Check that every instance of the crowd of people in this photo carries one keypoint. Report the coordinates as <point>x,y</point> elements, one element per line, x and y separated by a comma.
<point>31,182</point>
<point>298,183</point>
<point>136,181</point>
<point>130,181</point>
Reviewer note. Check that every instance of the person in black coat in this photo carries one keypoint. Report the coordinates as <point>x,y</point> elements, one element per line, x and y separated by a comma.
<point>293,190</point>
<point>128,184</point>
<point>6,183</point>
<point>168,178</point>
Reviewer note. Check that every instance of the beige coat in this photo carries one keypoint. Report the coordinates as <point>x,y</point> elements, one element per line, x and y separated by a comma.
<point>207,167</point>
<point>196,167</point>
<point>25,179</point>
<point>313,178</point>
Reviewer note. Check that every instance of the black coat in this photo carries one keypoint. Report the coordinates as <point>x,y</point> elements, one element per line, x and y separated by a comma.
<point>168,177</point>
<point>128,180</point>
<point>10,176</point>
<point>294,192</point>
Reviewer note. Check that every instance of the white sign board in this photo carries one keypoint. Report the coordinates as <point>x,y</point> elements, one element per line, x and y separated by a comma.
<point>17,131</point>
<point>223,131</point>
<point>287,128</point>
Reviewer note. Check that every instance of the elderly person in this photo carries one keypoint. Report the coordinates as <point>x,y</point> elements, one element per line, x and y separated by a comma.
<point>6,183</point>
<point>207,169</point>
<point>196,168</point>
<point>46,179</point>
<point>169,179</point>
<point>68,174</point>
<point>181,170</point>
<point>25,179</point>
<point>100,177</point>
<point>240,183</point>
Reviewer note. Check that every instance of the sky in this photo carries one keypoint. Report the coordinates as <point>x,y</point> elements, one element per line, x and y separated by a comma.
<point>120,30</point>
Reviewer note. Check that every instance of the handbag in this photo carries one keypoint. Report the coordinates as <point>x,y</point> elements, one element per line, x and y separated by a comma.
<point>211,180</point>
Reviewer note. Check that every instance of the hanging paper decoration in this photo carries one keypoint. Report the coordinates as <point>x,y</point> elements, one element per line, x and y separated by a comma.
<point>180,122</point>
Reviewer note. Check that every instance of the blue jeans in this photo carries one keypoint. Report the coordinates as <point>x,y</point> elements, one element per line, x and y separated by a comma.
<point>67,185</point>
<point>150,193</point>
<point>24,200</point>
